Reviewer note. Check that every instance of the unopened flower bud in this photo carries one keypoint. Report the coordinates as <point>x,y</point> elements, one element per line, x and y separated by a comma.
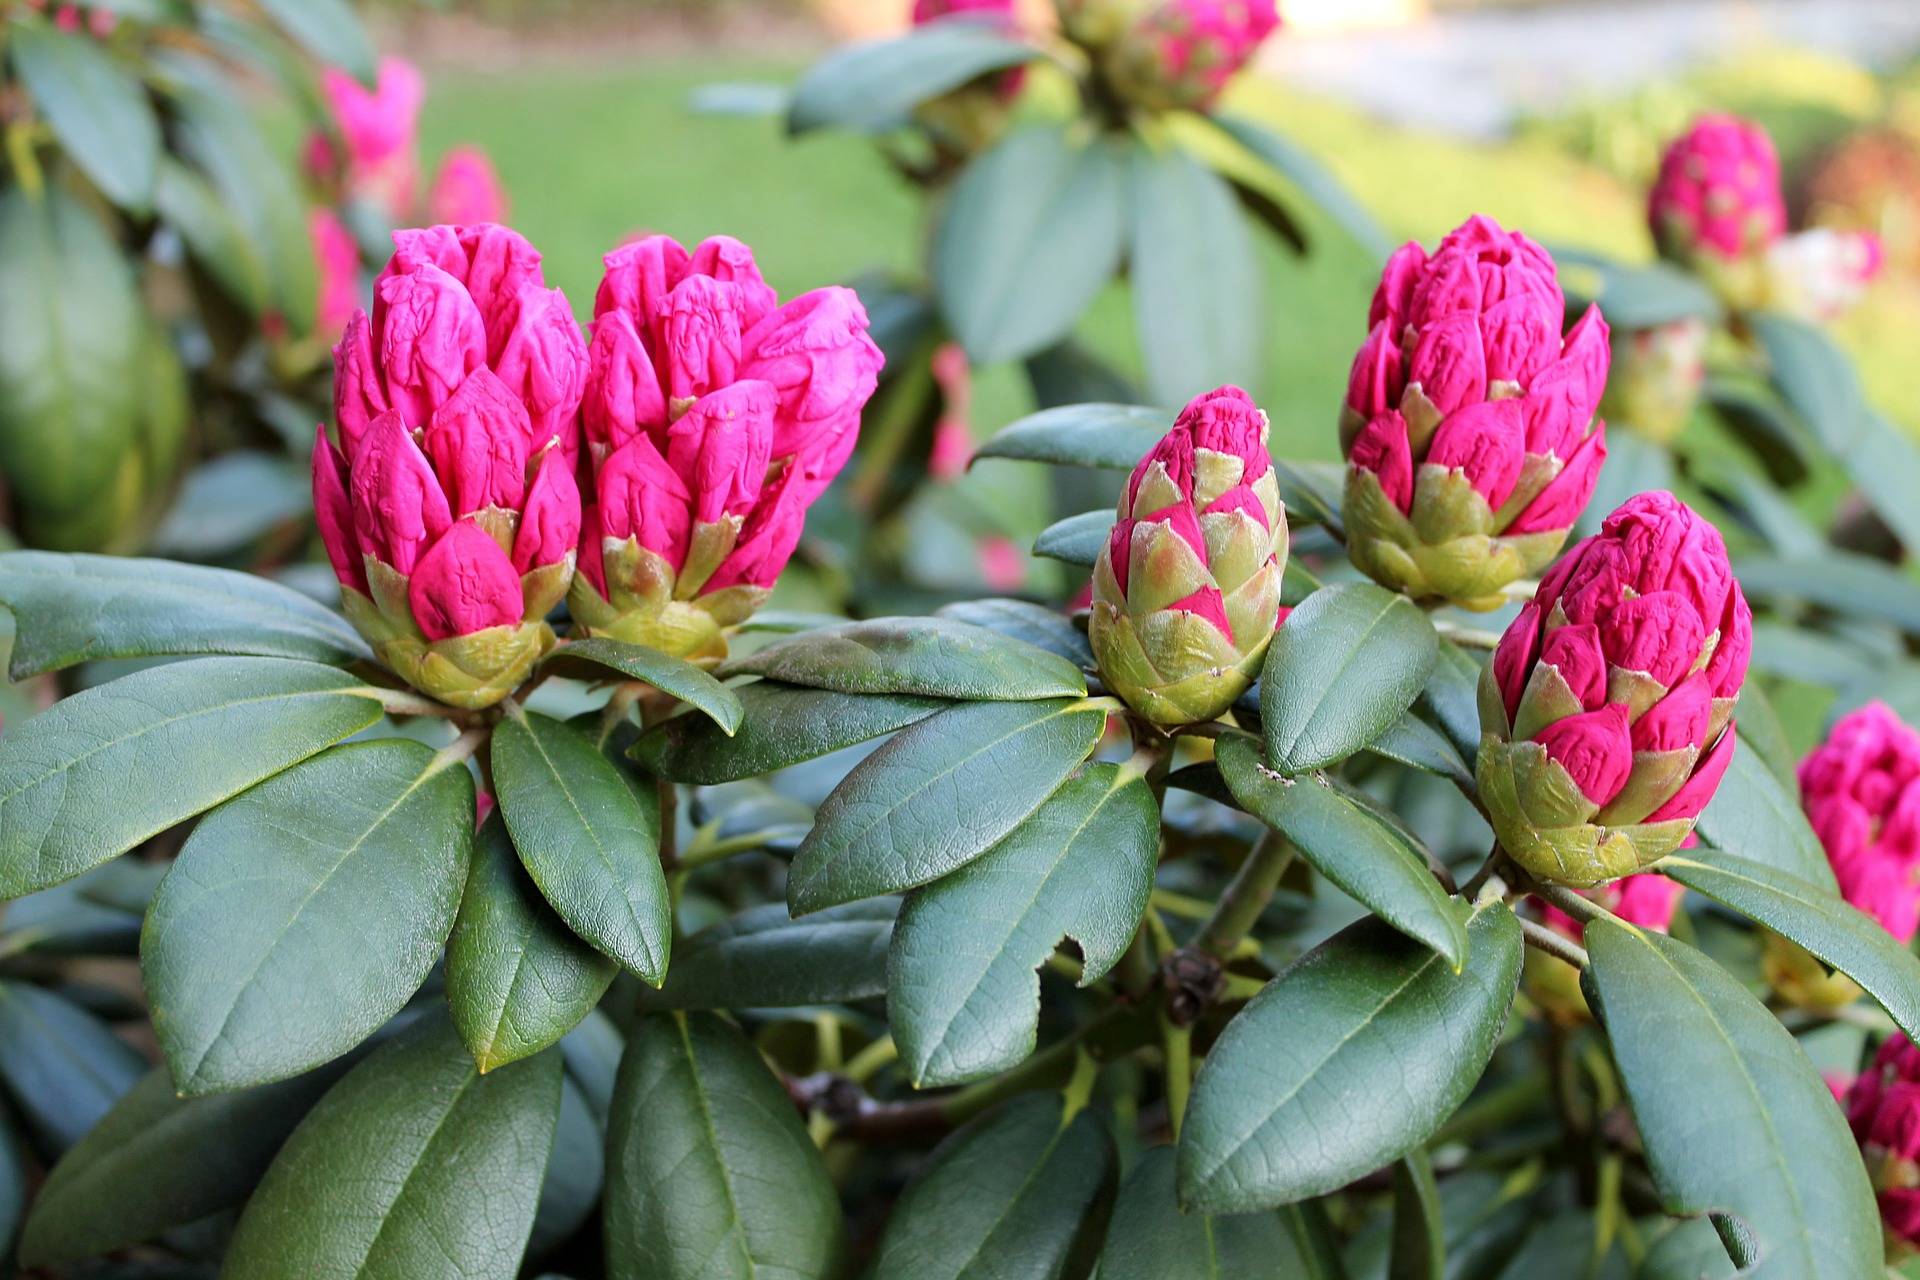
<point>380,129</point>
<point>1883,1109</point>
<point>1657,377</point>
<point>1820,274</point>
<point>1180,54</point>
<point>466,189</point>
<point>1716,205</point>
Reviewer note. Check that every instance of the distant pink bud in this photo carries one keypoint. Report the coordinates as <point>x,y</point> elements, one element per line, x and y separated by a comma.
<point>1449,363</point>
<point>1184,52</point>
<point>398,506</point>
<point>1483,441</point>
<point>338,258</point>
<point>1594,748</point>
<point>333,513</point>
<point>952,450</point>
<point>1559,505</point>
<point>467,189</point>
<point>1647,901</point>
<point>464,583</point>
<point>378,124</point>
<point>925,11</point>
<point>767,540</point>
<point>641,497</point>
<point>1718,192</point>
<point>433,337</point>
<point>1002,567</point>
<point>623,396</point>
<point>720,448</point>
<point>1575,651</point>
<point>478,444</point>
<point>358,393</point>
<point>1374,385</point>
<point>1226,420</point>
<point>1382,448</point>
<point>550,521</point>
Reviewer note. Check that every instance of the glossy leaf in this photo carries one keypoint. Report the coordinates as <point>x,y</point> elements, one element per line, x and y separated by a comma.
<point>1838,933</point>
<point>62,1067</point>
<point>13,1185</point>
<point>1419,1227</point>
<point>1016,1193</point>
<point>1151,1239</point>
<point>1736,1121</point>
<point>1413,742</point>
<point>589,836</point>
<point>1691,1250</point>
<point>1341,671</point>
<point>517,978</point>
<point>710,1172</point>
<point>1113,437</point>
<point>1031,623</point>
<point>1198,286</point>
<point>1076,540</point>
<point>1348,1060</point>
<point>104,1194</point>
<point>1756,815</point>
<point>876,85</point>
<point>1032,232</point>
<point>212,233</point>
<point>329,30</point>
<point>302,916</point>
<point>1451,698</point>
<point>1837,580</point>
<point>762,958</point>
<point>81,608</point>
<point>414,1165</point>
<point>96,107</point>
<point>101,771</point>
<point>937,796</point>
<point>1347,845</point>
<point>780,725</point>
<point>668,674</point>
<point>1312,178</point>
<point>931,657</point>
<point>963,997</point>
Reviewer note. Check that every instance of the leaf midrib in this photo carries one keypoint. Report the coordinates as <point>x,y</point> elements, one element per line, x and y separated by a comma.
<point>1309,729</point>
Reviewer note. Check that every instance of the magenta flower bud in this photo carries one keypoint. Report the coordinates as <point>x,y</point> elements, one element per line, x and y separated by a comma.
<point>1607,722</point>
<point>450,515</point>
<point>1883,1109</point>
<point>1717,207</point>
<point>1180,54</point>
<point>466,189</point>
<point>379,128</point>
<point>925,11</point>
<point>1469,426</point>
<point>714,416</point>
<point>338,258</point>
<point>1861,792</point>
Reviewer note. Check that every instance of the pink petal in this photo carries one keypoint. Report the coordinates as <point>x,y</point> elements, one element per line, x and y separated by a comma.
<point>550,524</point>
<point>1483,441</point>
<point>398,506</point>
<point>1594,749</point>
<point>464,584</point>
<point>333,512</point>
<point>641,497</point>
<point>1696,791</point>
<point>477,443</point>
<point>720,448</point>
<point>1382,448</point>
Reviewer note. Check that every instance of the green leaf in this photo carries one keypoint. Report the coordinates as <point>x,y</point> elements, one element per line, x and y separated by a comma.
<point>1735,1120</point>
<point>62,1066</point>
<point>1023,620</point>
<point>933,657</point>
<point>414,1165</point>
<point>875,86</point>
<point>710,1172</point>
<point>1837,580</point>
<point>96,107</point>
<point>1634,296</point>
<point>14,1186</point>
<point>1150,1239</point>
<point>1348,1060</point>
<point>104,1195</point>
<point>1348,846</point>
<point>349,866</point>
<point>1345,666</point>
<point>330,31</point>
<point>1755,815</point>
<point>1691,1250</point>
<point>1017,1192</point>
<point>963,997</point>
<point>575,1181</point>
<point>1413,742</point>
<point>1419,1230</point>
<point>1198,286</point>
<point>1033,231</point>
<point>668,674</point>
<point>588,835</point>
<point>213,234</point>
<point>1848,940</point>
<point>1076,540</point>
<point>1313,180</point>
<point>780,725</point>
<point>1761,729</point>
<point>765,959</point>
<point>937,796</point>
<point>81,608</point>
<point>517,978</point>
<point>1113,437</point>
<point>98,773</point>
<point>1451,698</point>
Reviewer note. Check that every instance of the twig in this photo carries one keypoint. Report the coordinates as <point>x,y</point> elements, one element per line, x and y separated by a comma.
<point>1247,895</point>
<point>1541,938</point>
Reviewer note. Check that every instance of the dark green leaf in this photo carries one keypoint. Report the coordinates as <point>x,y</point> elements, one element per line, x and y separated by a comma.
<point>1311,490</point>
<point>1110,436</point>
<point>1413,742</point>
<point>1032,232</point>
<point>875,86</point>
<point>1150,1239</point>
<point>1756,815</point>
<point>1312,178</point>
<point>13,1185</point>
<point>932,657</point>
<point>668,674</point>
<point>329,30</point>
<point>781,725</point>
<point>592,1051</point>
<point>348,866</point>
<point>1035,624</point>
<point>1345,666</point>
<point>100,772</point>
<point>1690,1251</point>
<point>517,978</point>
<point>710,1172</point>
<point>62,1066</point>
<point>213,234</point>
<point>937,796</point>
<point>1760,728</point>
<point>589,836</point>
<point>1198,286</point>
<point>1451,698</point>
<point>1634,296</point>
<point>1346,1061</point>
<point>1419,1230</point>
<point>963,997</point>
<point>1016,1194</point>
<point>1348,846</point>
<point>96,107</point>
<point>82,608</point>
<point>1856,944</point>
<point>1837,580</point>
<point>104,1194</point>
<point>415,1165</point>
<point>575,1178</point>
<point>1736,1121</point>
<point>765,959</point>
<point>1076,540</point>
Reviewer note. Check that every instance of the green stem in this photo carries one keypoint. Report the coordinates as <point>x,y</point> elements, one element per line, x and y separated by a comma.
<point>1178,1044</point>
<point>864,1065</point>
<point>1247,895</point>
<point>1497,1109</point>
<point>701,852</point>
<point>1541,938</point>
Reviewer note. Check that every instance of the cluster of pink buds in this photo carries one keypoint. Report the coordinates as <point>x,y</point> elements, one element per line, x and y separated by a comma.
<point>714,416</point>
<point>1169,54</point>
<point>1883,1108</point>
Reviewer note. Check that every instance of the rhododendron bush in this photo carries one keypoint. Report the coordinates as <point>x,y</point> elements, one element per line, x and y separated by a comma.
<point>1394,868</point>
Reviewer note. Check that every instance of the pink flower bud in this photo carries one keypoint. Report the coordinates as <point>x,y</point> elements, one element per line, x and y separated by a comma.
<point>767,540</point>
<point>359,396</point>
<point>925,11</point>
<point>1393,296</point>
<point>816,353</point>
<point>638,277</point>
<point>1647,901</point>
<point>544,363</point>
<point>623,396</point>
<point>1718,192</point>
<point>720,447</point>
<point>431,338</point>
<point>379,129</point>
<point>478,444</point>
<point>1576,654</point>
<point>466,189</point>
<point>464,584</point>
<point>1861,792</point>
<point>333,512</point>
<point>1382,449</point>
<point>1483,442</point>
<point>1559,505</point>
<point>550,521</point>
<point>398,505</point>
<point>703,328</point>
<point>1595,748</point>
<point>1182,53</point>
<point>641,497</point>
<point>338,258</point>
<point>1375,384</point>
